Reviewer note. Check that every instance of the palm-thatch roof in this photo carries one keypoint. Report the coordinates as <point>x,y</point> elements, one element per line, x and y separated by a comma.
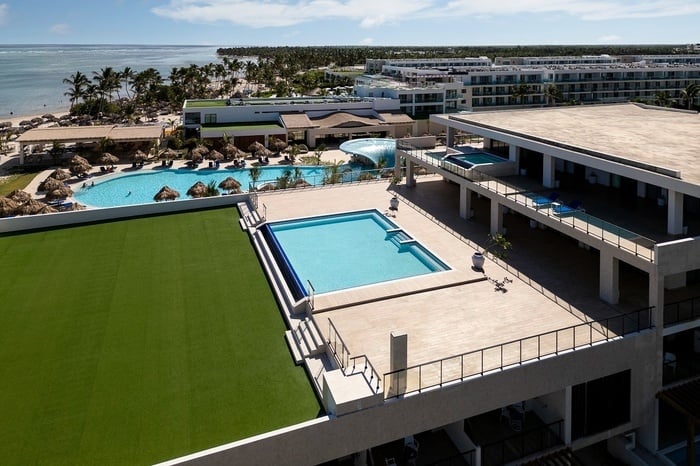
<point>59,193</point>
<point>108,159</point>
<point>20,196</point>
<point>198,189</point>
<point>79,165</point>
<point>74,206</point>
<point>47,209</point>
<point>230,184</point>
<point>59,174</point>
<point>30,207</point>
<point>279,145</point>
<point>139,156</point>
<point>166,193</point>
<point>49,184</point>
<point>169,154</point>
<point>263,152</point>
<point>254,147</point>
<point>215,155</point>
<point>231,150</point>
<point>8,206</point>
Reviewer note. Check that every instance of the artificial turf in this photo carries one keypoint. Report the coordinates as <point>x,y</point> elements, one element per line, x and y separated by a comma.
<point>136,341</point>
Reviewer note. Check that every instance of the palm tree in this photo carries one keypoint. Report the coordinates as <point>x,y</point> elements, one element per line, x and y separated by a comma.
<point>689,94</point>
<point>128,76</point>
<point>254,174</point>
<point>661,99</point>
<point>78,83</point>
<point>520,91</point>
<point>552,94</point>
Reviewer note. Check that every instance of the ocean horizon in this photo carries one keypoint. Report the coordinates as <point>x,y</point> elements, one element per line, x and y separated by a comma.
<point>31,75</point>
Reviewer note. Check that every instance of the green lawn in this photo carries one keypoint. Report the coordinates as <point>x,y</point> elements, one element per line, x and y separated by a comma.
<point>137,341</point>
<point>17,181</point>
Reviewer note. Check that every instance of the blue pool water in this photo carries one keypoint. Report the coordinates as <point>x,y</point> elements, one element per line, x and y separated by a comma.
<point>372,149</point>
<point>343,251</point>
<point>475,158</point>
<point>140,187</point>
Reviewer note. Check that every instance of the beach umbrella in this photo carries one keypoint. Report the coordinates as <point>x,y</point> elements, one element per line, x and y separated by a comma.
<point>47,209</point>
<point>108,159</point>
<point>263,152</point>
<point>139,156</point>
<point>49,184</point>
<point>231,150</point>
<point>279,145</point>
<point>8,206</point>
<point>30,207</point>
<point>59,193</point>
<point>78,165</point>
<point>198,189</point>
<point>169,154</point>
<point>215,155</point>
<point>254,147</point>
<point>230,184</point>
<point>166,193</point>
<point>59,174</point>
<point>20,196</point>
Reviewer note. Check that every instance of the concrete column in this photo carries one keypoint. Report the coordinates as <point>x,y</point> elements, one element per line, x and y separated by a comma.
<point>641,189</point>
<point>548,167</point>
<point>450,142</point>
<point>465,202</point>
<point>496,217</point>
<point>609,277</point>
<point>267,139</point>
<point>410,178</point>
<point>21,153</point>
<point>397,164</point>
<point>487,143</point>
<point>398,361</point>
<point>568,399</point>
<point>514,154</point>
<point>675,212</point>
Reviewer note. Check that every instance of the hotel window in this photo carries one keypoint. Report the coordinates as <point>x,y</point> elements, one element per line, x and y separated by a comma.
<point>209,118</point>
<point>600,404</point>
<point>193,118</point>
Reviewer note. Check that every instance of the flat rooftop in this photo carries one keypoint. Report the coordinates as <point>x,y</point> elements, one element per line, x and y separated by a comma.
<point>444,314</point>
<point>656,137</point>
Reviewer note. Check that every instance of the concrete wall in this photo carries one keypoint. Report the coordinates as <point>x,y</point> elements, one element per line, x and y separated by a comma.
<point>678,256</point>
<point>33,222</point>
<point>327,438</point>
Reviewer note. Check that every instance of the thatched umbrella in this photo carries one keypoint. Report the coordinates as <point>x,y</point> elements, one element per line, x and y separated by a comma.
<point>169,154</point>
<point>166,193</point>
<point>47,209</point>
<point>263,152</point>
<point>108,159</point>
<point>30,207</point>
<point>139,156</point>
<point>20,196</point>
<point>254,147</point>
<point>49,184</point>
<point>79,165</point>
<point>60,193</point>
<point>59,174</point>
<point>198,189</point>
<point>215,155</point>
<point>231,150</point>
<point>279,145</point>
<point>8,206</point>
<point>231,185</point>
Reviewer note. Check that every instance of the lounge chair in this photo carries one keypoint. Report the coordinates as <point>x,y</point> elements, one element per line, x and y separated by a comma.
<point>570,208</point>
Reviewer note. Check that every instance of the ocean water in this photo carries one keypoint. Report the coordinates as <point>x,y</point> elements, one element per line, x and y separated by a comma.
<point>31,76</point>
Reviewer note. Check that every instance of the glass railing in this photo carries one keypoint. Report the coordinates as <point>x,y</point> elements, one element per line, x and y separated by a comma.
<point>682,311</point>
<point>575,218</point>
<point>514,353</point>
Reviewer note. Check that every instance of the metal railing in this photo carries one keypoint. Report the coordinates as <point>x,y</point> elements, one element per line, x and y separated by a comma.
<point>513,353</point>
<point>523,444</point>
<point>460,459</point>
<point>682,311</point>
<point>349,364</point>
<point>577,219</point>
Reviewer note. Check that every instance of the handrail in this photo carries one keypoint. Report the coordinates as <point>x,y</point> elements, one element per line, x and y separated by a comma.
<point>516,352</point>
<point>575,218</point>
<point>311,292</point>
<point>374,375</point>
<point>334,338</point>
<point>682,311</point>
<point>514,446</point>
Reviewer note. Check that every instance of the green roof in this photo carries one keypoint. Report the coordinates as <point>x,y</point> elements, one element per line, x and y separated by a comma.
<point>205,103</point>
<point>239,126</point>
<point>137,341</point>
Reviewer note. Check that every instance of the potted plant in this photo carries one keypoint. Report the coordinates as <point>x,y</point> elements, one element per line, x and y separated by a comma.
<point>497,244</point>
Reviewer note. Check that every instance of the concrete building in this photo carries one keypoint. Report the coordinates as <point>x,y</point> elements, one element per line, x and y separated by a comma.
<point>425,88</point>
<point>306,119</point>
<point>592,336</point>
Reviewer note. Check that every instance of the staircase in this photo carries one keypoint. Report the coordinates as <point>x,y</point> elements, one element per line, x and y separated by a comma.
<point>305,340</point>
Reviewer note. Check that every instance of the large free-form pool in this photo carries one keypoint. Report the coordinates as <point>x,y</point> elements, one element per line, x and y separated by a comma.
<point>140,187</point>
<point>341,251</point>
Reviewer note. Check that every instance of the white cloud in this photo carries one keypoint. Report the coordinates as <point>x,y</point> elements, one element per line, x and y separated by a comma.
<point>60,29</point>
<point>3,12</point>
<point>595,10</point>
<point>609,38</point>
<point>278,13</point>
<point>367,41</point>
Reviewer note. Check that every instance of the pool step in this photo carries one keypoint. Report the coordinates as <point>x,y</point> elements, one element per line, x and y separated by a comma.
<point>400,238</point>
<point>305,340</point>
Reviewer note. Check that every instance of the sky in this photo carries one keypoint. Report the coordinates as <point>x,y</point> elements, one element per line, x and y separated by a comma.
<point>349,22</point>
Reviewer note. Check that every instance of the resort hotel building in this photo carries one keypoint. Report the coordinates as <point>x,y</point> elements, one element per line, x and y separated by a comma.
<point>447,85</point>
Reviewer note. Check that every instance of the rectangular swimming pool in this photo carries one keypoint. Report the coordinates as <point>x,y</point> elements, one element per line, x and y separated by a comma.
<point>475,158</point>
<point>340,251</point>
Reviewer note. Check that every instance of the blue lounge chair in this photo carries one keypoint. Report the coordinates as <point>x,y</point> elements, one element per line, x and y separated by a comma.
<point>571,207</point>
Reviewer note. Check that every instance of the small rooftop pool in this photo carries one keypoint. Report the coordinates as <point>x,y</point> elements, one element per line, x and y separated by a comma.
<point>473,159</point>
<point>341,251</point>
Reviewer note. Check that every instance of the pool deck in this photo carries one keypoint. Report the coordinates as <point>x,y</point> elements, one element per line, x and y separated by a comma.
<point>444,314</point>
